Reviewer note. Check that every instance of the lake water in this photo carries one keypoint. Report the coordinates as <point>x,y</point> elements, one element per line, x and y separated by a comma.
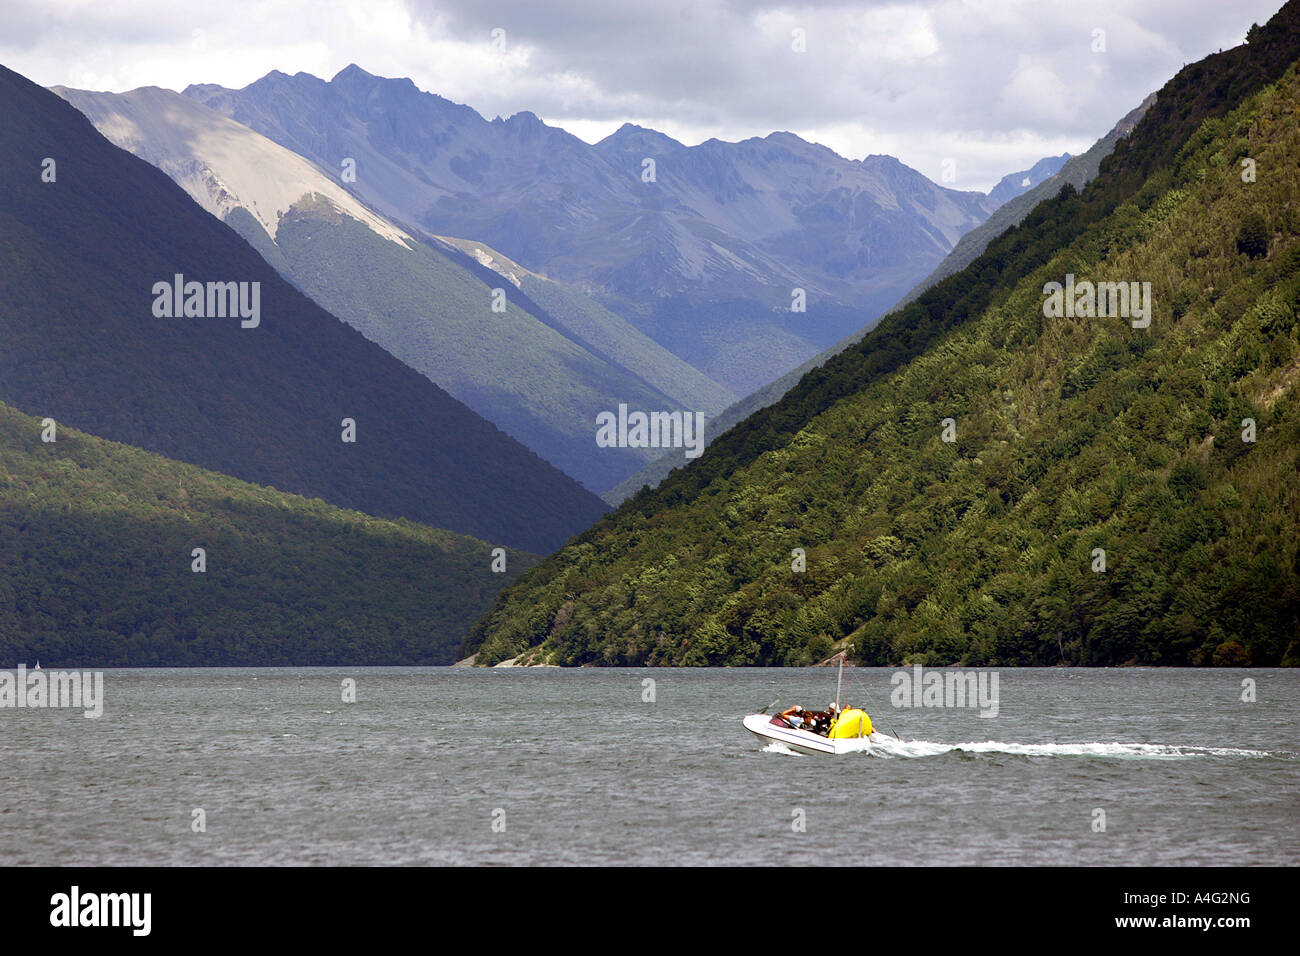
<point>548,766</point>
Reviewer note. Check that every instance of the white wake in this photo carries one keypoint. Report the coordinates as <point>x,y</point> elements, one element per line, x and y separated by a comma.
<point>880,745</point>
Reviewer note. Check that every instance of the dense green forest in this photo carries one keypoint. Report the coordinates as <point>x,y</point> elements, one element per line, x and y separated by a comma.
<point>1072,436</point>
<point>97,566</point>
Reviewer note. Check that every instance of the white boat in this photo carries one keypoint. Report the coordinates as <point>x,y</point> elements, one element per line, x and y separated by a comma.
<point>774,729</point>
<point>841,731</point>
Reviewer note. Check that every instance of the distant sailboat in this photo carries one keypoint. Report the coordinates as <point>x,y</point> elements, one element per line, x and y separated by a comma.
<point>38,665</point>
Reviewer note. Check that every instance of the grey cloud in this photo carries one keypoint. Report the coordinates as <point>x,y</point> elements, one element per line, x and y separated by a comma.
<point>697,62</point>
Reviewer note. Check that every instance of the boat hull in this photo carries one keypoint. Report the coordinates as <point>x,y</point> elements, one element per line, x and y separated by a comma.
<point>800,741</point>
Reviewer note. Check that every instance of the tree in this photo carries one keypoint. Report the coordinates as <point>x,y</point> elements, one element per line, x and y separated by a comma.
<point>1252,238</point>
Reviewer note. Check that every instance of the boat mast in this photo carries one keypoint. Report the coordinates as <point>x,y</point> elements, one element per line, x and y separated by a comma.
<point>839,679</point>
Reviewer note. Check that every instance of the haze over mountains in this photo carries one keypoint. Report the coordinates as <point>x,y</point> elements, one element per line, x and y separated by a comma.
<point>743,220</point>
<point>702,251</point>
<point>1048,175</point>
<point>542,374</point>
<point>541,281</point>
<point>550,357</point>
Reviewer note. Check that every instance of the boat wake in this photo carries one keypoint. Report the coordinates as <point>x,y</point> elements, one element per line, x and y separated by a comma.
<point>882,746</point>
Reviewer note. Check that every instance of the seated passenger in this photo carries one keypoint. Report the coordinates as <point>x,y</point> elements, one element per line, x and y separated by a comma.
<point>818,721</point>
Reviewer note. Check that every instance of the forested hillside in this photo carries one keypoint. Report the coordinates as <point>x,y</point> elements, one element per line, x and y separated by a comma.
<point>1070,437</point>
<point>97,566</point>
<point>1077,171</point>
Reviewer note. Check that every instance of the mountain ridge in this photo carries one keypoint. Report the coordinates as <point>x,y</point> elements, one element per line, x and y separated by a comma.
<point>1015,184</point>
<point>669,242</point>
<point>265,404</point>
<point>412,301</point>
<point>1077,171</point>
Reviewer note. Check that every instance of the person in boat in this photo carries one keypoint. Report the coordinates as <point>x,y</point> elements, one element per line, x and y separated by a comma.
<point>794,716</point>
<point>812,720</point>
<point>820,721</point>
<point>815,721</point>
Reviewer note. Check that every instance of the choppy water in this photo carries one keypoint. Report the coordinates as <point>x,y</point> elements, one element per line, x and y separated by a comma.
<point>581,770</point>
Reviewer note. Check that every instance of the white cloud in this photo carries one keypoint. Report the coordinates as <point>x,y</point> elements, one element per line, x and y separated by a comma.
<point>993,84</point>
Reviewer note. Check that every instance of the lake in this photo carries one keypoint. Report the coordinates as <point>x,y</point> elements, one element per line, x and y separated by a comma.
<point>550,766</point>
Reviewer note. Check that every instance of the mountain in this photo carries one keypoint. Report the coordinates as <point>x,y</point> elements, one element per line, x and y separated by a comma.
<point>97,567</point>
<point>262,398</point>
<point>1016,184</point>
<point>582,319</point>
<point>841,228</point>
<point>222,165</point>
<point>536,379</point>
<point>1077,171</point>
<point>990,479</point>
<point>701,248</point>
<point>742,220</point>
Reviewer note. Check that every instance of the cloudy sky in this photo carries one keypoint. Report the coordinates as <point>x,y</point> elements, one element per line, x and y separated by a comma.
<point>992,85</point>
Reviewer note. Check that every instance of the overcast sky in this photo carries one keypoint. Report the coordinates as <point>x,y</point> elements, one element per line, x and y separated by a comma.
<point>993,85</point>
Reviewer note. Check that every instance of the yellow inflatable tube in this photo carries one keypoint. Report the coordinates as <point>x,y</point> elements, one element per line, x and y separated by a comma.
<point>851,723</point>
